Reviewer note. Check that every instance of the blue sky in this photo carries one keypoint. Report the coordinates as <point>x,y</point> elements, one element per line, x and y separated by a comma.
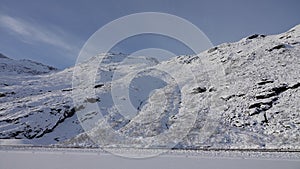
<point>53,31</point>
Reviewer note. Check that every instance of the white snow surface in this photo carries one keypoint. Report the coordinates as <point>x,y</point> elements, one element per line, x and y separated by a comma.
<point>49,158</point>
<point>246,96</point>
<point>16,67</point>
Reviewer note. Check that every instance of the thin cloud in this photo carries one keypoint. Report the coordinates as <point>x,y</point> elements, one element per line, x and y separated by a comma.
<point>32,32</point>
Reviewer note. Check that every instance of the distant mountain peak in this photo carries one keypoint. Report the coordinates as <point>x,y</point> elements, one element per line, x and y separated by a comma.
<point>3,56</point>
<point>26,67</point>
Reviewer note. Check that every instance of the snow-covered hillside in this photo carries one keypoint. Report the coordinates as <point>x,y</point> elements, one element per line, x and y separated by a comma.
<point>14,67</point>
<point>28,92</point>
<point>246,96</point>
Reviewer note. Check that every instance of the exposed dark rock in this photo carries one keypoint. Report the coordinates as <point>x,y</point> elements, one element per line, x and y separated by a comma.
<point>67,90</point>
<point>212,49</point>
<point>295,86</point>
<point>262,106</point>
<point>277,47</point>
<point>273,91</point>
<point>67,114</point>
<point>256,36</point>
<point>98,85</point>
<point>294,43</point>
<point>286,37</point>
<point>92,100</point>
<point>199,90</point>
<point>280,89</point>
<point>212,89</point>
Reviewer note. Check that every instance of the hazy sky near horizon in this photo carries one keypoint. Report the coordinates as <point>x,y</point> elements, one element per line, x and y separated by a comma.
<point>54,31</point>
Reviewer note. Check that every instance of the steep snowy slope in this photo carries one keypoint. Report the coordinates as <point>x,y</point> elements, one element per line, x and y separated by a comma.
<point>260,93</point>
<point>32,106</point>
<point>246,96</point>
<point>26,88</point>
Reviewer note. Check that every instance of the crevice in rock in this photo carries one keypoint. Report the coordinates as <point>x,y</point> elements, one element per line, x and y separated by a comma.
<point>265,81</point>
<point>265,118</point>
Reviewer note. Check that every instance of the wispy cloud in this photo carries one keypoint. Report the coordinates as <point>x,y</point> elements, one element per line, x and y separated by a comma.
<point>32,32</point>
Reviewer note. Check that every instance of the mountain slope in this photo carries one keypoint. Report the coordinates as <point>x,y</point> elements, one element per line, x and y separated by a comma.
<point>26,67</point>
<point>246,96</point>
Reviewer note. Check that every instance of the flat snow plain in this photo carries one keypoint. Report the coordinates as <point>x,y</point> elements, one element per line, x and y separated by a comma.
<point>62,158</point>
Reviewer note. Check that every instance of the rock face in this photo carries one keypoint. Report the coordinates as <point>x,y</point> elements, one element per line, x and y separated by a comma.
<point>246,96</point>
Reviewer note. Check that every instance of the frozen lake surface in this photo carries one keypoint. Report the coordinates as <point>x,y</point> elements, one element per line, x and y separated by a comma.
<point>49,158</point>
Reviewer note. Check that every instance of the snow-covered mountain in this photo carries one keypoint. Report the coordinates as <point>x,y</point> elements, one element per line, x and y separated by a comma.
<point>246,96</point>
<point>15,67</point>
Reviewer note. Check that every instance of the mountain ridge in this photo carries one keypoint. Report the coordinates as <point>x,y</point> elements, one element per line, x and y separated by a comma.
<point>23,66</point>
<point>256,81</point>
